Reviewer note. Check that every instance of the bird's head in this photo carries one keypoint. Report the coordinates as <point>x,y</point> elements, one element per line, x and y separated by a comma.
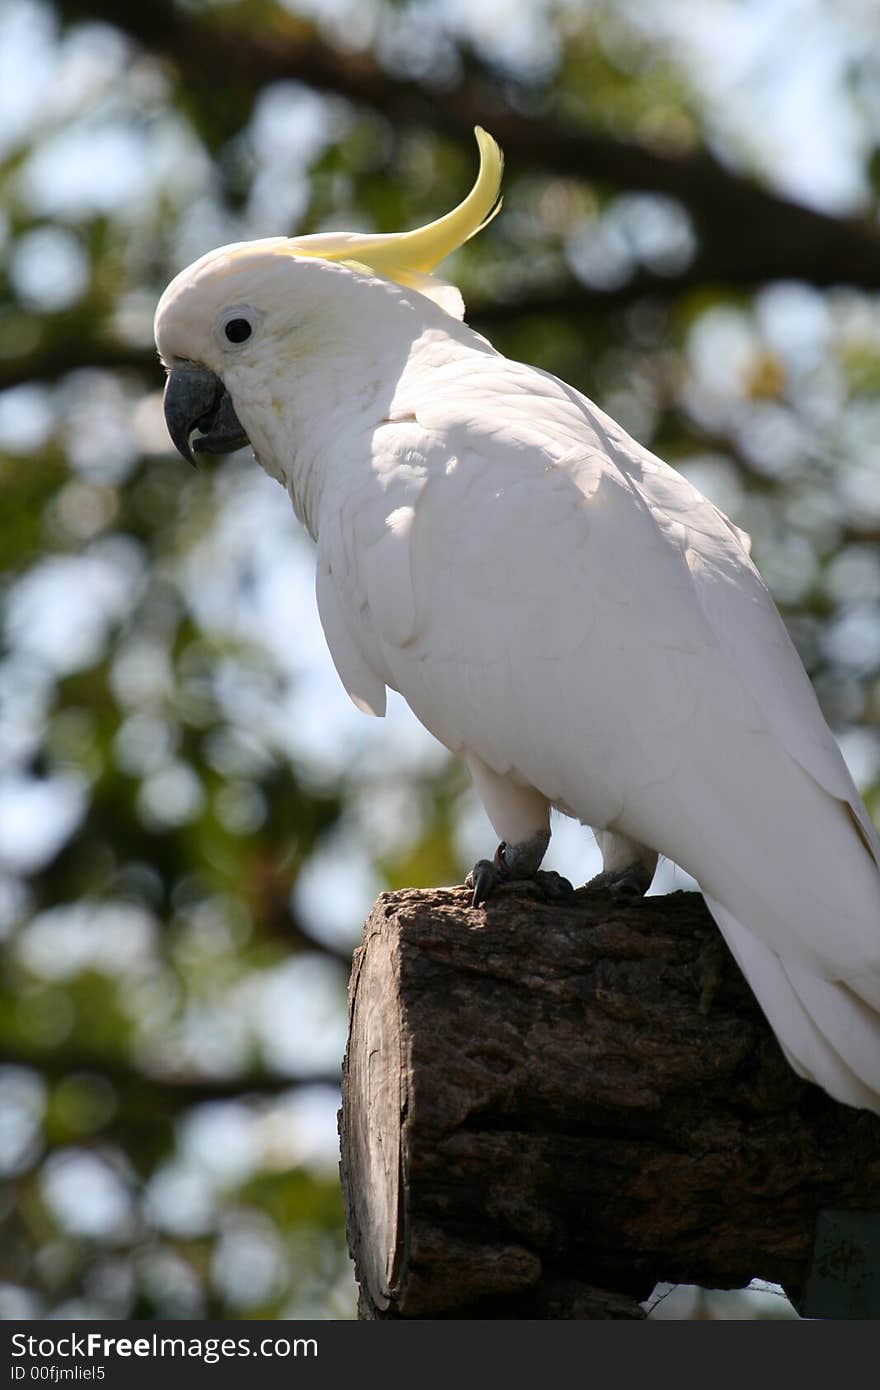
<point>235,313</point>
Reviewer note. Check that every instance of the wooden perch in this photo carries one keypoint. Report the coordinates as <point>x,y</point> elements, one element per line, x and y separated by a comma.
<point>541,1121</point>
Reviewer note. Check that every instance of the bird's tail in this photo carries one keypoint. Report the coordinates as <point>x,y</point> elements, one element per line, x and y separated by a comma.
<point>828,1029</point>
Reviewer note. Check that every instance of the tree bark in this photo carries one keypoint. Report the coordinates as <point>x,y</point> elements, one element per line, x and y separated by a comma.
<point>548,1109</point>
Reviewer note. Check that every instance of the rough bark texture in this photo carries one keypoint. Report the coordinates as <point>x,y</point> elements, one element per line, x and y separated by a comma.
<point>544,1112</point>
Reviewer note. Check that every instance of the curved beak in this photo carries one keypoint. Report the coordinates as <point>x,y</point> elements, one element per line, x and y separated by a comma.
<point>196,399</point>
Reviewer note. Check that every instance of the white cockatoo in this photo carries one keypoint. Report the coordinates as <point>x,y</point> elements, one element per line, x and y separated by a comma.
<point>557,605</point>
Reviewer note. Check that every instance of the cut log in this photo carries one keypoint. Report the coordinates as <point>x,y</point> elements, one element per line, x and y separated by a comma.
<point>549,1109</point>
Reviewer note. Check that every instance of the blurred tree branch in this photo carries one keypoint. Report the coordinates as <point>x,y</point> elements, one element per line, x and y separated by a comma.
<point>749,233</point>
<point>65,354</point>
<point>164,1091</point>
<point>571,300</point>
<point>62,354</point>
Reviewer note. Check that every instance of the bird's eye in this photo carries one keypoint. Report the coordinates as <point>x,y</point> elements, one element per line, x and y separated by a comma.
<point>238,330</point>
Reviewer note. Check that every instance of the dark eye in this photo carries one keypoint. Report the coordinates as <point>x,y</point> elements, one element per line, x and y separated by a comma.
<point>238,330</point>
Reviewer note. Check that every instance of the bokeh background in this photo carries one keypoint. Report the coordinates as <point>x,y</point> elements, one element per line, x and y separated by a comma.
<point>194,821</point>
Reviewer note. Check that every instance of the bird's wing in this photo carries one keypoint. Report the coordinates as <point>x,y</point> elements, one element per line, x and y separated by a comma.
<point>549,596</point>
<point>737,606</point>
<point>364,579</point>
<point>365,686</point>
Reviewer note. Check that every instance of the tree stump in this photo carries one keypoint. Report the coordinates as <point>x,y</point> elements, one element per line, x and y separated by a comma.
<point>548,1109</point>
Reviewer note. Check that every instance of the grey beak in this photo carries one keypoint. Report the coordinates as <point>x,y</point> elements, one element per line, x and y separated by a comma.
<point>196,399</point>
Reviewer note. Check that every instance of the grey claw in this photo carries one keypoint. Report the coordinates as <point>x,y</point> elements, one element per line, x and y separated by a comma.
<point>632,882</point>
<point>486,875</point>
<point>483,878</point>
<point>552,884</point>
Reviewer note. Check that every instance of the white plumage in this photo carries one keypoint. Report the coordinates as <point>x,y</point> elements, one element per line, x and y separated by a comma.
<point>557,606</point>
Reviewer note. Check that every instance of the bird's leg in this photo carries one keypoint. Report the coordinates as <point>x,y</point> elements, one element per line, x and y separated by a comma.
<point>627,866</point>
<point>521,816</point>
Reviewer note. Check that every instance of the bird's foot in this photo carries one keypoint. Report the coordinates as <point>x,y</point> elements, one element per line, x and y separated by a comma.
<point>489,874</point>
<point>485,877</point>
<point>553,886</point>
<point>633,881</point>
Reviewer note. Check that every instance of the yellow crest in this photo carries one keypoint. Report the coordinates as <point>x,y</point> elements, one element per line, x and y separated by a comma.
<point>409,257</point>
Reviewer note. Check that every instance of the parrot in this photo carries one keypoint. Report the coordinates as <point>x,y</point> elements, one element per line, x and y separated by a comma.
<point>559,607</point>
